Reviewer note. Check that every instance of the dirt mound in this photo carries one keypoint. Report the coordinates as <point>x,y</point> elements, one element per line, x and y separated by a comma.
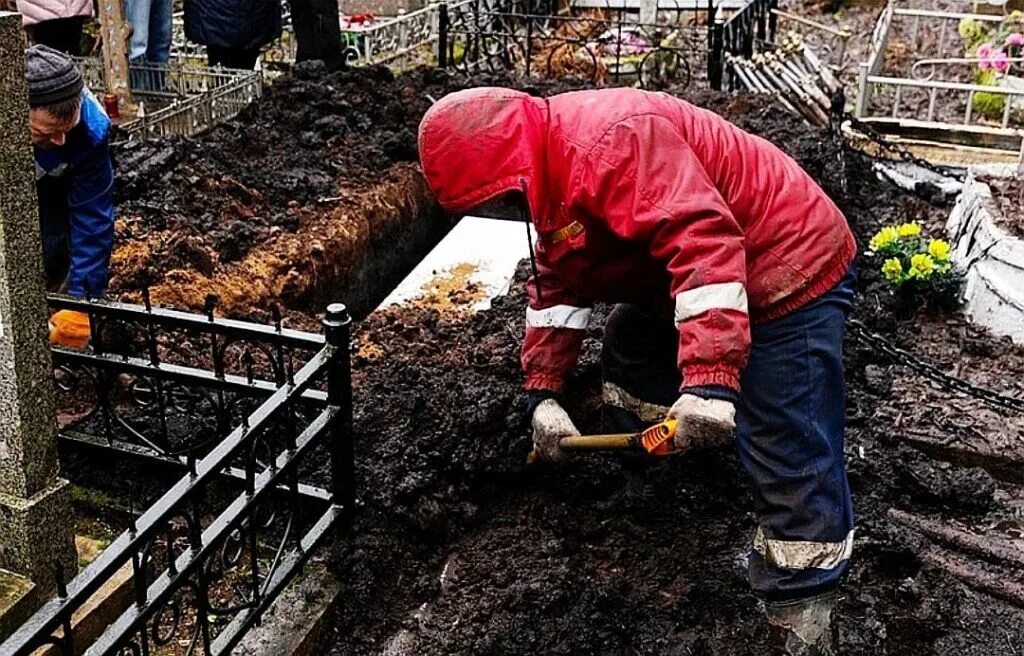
<point>318,153</point>
<point>461,549</point>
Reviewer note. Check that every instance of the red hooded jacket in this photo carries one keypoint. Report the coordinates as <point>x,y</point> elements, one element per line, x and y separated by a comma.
<point>641,198</point>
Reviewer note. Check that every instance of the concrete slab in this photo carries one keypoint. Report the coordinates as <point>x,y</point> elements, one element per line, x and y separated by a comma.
<point>478,256</point>
<point>994,293</point>
<point>295,622</point>
<point>18,599</point>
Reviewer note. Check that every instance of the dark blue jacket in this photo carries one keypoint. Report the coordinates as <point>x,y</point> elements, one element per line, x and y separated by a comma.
<point>243,24</point>
<point>83,167</point>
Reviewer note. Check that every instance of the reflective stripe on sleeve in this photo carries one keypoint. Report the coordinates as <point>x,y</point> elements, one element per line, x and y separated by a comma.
<point>803,554</point>
<point>717,296</point>
<point>559,316</point>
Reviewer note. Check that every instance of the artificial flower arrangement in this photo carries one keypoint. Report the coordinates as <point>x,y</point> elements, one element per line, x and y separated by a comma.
<point>917,268</point>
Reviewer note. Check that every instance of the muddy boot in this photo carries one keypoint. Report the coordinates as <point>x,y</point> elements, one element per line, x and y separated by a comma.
<point>803,627</point>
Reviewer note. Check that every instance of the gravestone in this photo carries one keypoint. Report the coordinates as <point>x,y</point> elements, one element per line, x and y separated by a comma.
<point>36,526</point>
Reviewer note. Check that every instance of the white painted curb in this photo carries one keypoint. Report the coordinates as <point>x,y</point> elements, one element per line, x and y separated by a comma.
<point>993,259</point>
<point>488,249</point>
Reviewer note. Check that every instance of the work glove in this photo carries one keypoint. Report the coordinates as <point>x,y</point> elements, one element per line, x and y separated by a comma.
<point>69,328</point>
<point>702,422</point>
<point>550,424</point>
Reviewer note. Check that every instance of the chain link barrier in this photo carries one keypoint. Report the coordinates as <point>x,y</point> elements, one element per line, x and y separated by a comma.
<point>857,329</point>
<point>881,345</point>
<point>897,151</point>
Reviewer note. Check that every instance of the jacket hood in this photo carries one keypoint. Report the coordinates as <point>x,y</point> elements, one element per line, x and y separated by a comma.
<point>480,143</point>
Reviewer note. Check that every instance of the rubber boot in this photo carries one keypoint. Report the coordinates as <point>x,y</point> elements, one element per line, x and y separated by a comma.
<point>803,627</point>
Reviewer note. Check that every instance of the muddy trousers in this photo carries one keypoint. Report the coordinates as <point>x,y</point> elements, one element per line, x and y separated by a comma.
<point>790,431</point>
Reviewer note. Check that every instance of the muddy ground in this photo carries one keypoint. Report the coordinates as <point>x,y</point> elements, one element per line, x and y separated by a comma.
<point>460,549</point>
<point>463,550</point>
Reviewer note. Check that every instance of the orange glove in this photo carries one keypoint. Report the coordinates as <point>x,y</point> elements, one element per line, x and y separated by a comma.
<point>69,328</point>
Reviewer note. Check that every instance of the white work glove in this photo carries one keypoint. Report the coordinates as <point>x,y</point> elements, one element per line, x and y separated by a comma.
<point>702,422</point>
<point>551,423</point>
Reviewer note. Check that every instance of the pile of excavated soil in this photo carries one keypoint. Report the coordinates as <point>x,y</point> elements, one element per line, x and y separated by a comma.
<point>462,549</point>
<point>310,195</point>
<point>286,202</point>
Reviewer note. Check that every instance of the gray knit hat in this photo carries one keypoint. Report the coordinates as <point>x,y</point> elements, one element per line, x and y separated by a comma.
<point>53,76</point>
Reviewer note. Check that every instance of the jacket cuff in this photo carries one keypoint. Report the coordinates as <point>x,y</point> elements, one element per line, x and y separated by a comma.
<point>712,392</point>
<point>545,381</point>
<point>535,397</point>
<point>721,375</point>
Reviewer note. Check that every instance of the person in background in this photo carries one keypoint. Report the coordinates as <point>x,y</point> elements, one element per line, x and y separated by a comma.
<point>318,32</point>
<point>75,181</point>
<point>56,23</point>
<point>151,36</point>
<point>233,31</point>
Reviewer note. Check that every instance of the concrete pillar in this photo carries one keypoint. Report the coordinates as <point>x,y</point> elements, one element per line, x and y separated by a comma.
<point>36,528</point>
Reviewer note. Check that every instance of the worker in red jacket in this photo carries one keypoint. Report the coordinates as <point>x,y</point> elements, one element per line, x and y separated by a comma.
<point>732,274</point>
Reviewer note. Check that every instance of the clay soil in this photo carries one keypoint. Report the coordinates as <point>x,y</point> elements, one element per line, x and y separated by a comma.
<point>459,548</point>
<point>1009,196</point>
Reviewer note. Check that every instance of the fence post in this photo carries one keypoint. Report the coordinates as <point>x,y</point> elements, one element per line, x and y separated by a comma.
<point>763,11</point>
<point>715,57</point>
<point>773,20</point>
<point>403,39</point>
<point>442,35</point>
<point>337,323</point>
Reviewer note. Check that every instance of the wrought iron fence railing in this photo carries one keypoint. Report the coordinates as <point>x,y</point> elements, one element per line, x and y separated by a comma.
<point>922,82</point>
<point>179,98</point>
<point>597,45</point>
<point>739,36</point>
<point>211,554</point>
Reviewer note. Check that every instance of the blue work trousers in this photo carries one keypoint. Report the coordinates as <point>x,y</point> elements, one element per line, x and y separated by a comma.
<point>790,431</point>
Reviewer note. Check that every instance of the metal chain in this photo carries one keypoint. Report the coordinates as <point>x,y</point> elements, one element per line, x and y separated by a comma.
<point>881,345</point>
<point>899,151</point>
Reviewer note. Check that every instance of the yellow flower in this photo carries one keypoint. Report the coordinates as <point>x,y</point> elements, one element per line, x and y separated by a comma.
<point>921,266</point>
<point>884,237</point>
<point>939,249</point>
<point>909,229</point>
<point>892,269</point>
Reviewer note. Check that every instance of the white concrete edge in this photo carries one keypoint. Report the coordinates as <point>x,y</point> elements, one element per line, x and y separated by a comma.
<point>994,259</point>
<point>490,247</point>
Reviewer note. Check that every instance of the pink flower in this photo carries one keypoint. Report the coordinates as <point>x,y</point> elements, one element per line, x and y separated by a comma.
<point>984,53</point>
<point>1001,61</point>
<point>1015,39</point>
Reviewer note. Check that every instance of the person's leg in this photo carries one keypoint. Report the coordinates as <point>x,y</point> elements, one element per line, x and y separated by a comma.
<point>790,436</point>
<point>64,34</point>
<point>305,30</point>
<point>161,13</point>
<point>55,230</point>
<point>232,57</point>
<point>216,56</point>
<point>638,362</point>
<point>137,14</point>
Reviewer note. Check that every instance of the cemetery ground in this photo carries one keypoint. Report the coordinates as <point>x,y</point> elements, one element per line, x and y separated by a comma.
<point>312,195</point>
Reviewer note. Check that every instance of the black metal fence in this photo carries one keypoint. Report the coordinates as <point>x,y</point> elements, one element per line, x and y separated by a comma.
<point>207,558</point>
<point>597,45</point>
<point>600,45</point>
<point>739,35</point>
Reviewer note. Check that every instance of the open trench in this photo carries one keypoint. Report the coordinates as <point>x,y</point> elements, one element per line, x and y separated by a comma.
<point>353,247</point>
<point>459,548</point>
